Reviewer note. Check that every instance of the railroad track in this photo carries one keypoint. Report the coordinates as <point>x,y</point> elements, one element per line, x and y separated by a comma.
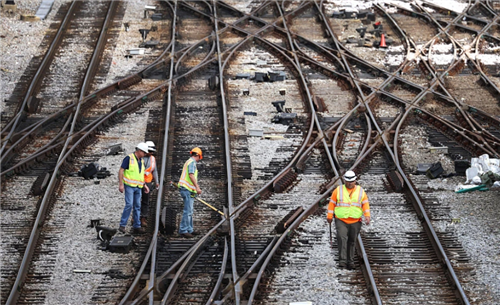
<point>33,279</point>
<point>261,248</point>
<point>363,133</point>
<point>37,279</point>
<point>54,85</point>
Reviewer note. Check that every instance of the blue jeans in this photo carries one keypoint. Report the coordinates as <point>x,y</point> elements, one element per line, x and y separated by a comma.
<point>132,199</point>
<point>186,225</point>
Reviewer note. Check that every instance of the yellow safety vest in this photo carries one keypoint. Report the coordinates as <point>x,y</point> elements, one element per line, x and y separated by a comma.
<point>132,176</point>
<point>148,173</point>
<point>345,207</point>
<point>185,180</point>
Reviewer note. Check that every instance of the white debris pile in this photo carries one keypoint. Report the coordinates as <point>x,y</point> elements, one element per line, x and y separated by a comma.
<point>394,59</point>
<point>489,59</point>
<point>441,54</point>
<point>442,48</point>
<point>335,5</point>
<point>455,6</point>
<point>482,169</point>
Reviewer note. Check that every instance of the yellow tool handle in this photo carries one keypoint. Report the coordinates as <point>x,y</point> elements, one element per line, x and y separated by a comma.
<point>202,201</point>
<point>207,204</point>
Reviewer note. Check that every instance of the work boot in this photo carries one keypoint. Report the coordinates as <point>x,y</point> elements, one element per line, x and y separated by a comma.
<point>342,265</point>
<point>187,235</point>
<point>138,231</point>
<point>350,266</point>
<point>195,233</point>
<point>121,229</point>
<point>144,222</point>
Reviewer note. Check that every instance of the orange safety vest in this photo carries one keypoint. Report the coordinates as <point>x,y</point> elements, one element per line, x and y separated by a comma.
<point>348,208</point>
<point>132,176</point>
<point>148,173</point>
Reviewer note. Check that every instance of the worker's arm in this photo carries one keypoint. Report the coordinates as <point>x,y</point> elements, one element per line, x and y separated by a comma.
<point>193,179</point>
<point>331,206</point>
<point>155,175</point>
<point>121,188</point>
<point>366,208</point>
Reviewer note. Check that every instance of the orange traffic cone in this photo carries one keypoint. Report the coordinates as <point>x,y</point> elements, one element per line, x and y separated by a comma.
<point>382,41</point>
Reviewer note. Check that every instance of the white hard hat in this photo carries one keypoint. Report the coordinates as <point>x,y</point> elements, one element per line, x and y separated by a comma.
<point>142,146</point>
<point>349,176</point>
<point>151,146</point>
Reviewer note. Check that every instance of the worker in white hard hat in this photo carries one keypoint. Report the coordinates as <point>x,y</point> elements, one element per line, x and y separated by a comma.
<point>131,181</point>
<point>150,175</point>
<point>348,203</point>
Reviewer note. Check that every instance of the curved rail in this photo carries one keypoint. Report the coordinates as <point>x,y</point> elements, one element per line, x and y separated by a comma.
<point>36,81</point>
<point>38,224</point>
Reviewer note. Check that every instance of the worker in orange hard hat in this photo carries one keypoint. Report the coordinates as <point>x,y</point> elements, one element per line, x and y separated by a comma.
<point>348,203</point>
<point>188,188</point>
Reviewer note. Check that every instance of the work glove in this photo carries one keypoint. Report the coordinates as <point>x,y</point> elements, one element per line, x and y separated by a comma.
<point>329,220</point>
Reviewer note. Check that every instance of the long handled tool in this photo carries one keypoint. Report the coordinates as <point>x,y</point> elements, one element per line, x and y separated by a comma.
<point>200,200</point>
<point>331,241</point>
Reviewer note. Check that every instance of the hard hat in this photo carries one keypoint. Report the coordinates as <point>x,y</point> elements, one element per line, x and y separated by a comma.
<point>197,150</point>
<point>151,146</point>
<point>349,176</point>
<point>142,146</point>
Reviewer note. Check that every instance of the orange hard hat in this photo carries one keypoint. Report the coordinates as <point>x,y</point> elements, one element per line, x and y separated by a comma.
<point>197,151</point>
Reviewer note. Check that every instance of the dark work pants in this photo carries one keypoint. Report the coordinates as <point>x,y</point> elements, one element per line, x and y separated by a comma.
<point>346,238</point>
<point>145,200</point>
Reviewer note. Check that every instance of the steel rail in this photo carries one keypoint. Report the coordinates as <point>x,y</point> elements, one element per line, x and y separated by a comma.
<point>458,106</point>
<point>112,87</point>
<point>54,179</point>
<point>304,83</point>
<point>154,242</point>
<point>151,253</point>
<point>428,226</point>
<point>371,283</point>
<point>439,79</point>
<point>227,150</point>
<point>89,98</point>
<point>40,73</point>
<point>366,264</point>
<point>426,222</point>
<point>240,208</point>
<point>421,88</point>
<point>114,113</point>
<point>249,272</point>
<point>467,117</point>
<point>222,272</point>
<point>191,251</point>
<point>379,91</point>
<point>303,79</point>
<point>171,287</point>
<point>303,216</point>
<point>257,281</point>
<point>490,7</point>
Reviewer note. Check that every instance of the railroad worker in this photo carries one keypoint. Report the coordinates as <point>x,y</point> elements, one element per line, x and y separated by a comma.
<point>348,202</point>
<point>131,181</point>
<point>189,188</point>
<point>150,174</point>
